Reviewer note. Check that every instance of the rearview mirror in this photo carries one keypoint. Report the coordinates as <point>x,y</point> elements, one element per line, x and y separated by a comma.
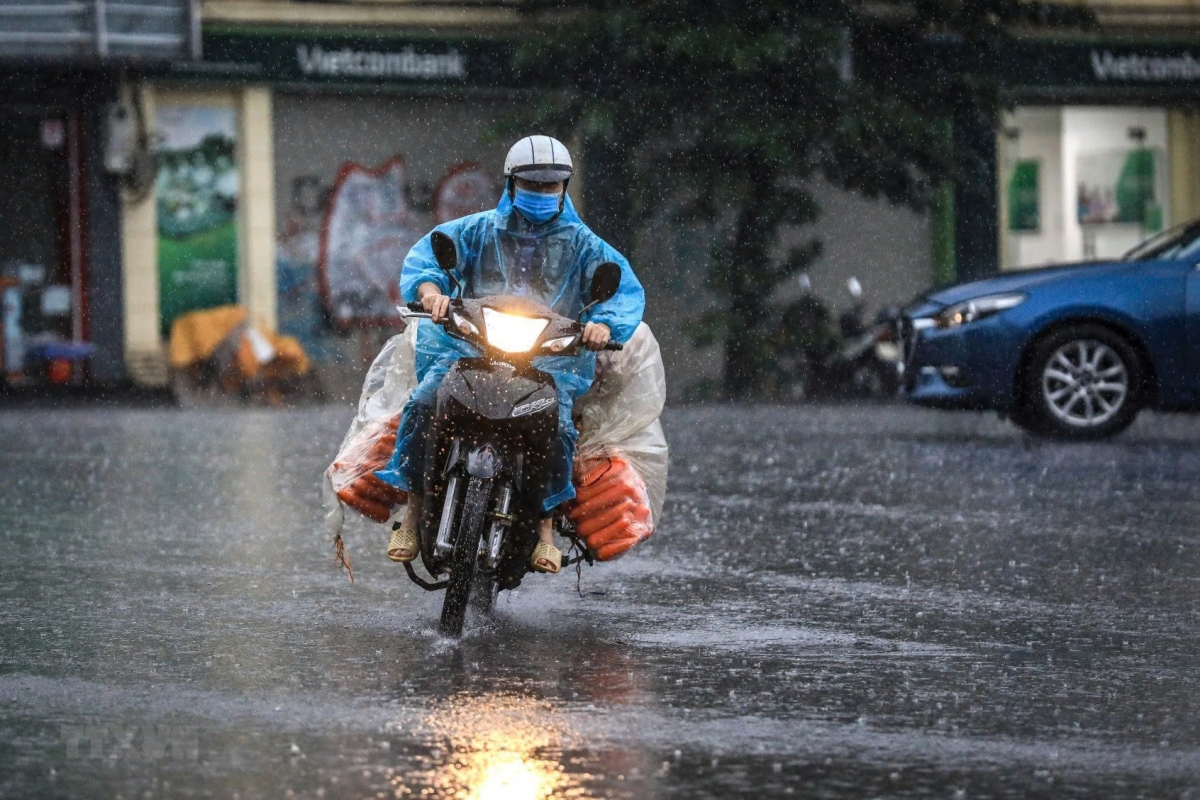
<point>605,282</point>
<point>444,250</point>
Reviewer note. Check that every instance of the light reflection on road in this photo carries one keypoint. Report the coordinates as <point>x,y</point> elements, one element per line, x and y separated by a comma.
<point>494,747</point>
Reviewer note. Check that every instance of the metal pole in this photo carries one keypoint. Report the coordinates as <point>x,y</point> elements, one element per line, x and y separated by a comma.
<point>101,29</point>
<point>197,49</point>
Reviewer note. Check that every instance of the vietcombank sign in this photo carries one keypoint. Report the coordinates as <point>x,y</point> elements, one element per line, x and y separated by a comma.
<point>1084,65</point>
<point>406,63</point>
<point>1107,66</point>
<point>304,58</point>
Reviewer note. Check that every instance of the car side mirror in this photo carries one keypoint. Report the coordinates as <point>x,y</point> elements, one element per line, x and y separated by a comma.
<point>605,282</point>
<point>444,251</point>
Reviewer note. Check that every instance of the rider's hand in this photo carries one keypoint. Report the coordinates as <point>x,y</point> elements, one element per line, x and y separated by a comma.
<point>596,335</point>
<point>436,305</point>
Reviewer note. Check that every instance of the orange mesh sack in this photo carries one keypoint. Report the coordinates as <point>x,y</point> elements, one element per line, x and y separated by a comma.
<point>350,480</point>
<point>611,510</point>
<point>352,474</point>
<point>621,458</point>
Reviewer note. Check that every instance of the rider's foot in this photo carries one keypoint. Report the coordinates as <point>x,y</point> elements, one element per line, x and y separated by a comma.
<point>404,544</point>
<point>546,558</point>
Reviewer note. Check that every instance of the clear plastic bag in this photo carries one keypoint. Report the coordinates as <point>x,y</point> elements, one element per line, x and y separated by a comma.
<point>369,442</point>
<point>619,415</point>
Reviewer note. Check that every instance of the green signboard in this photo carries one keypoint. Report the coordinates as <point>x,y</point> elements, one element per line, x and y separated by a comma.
<point>1024,197</point>
<point>197,198</point>
<point>1049,67</point>
<point>354,59</point>
<point>1136,197</point>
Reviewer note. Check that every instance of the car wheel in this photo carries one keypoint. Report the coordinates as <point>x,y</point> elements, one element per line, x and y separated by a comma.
<point>1081,382</point>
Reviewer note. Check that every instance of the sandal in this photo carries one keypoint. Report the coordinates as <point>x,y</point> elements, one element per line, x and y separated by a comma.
<point>404,545</point>
<point>548,553</point>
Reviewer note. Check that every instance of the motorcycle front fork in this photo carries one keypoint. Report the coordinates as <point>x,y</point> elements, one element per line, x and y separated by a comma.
<point>493,541</point>
<point>443,546</point>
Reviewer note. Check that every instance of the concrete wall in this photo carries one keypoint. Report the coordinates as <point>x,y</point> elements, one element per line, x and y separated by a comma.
<point>886,247</point>
<point>316,134</point>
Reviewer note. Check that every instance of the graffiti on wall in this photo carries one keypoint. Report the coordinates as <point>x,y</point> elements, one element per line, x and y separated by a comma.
<point>367,231</point>
<point>465,189</point>
<point>344,240</point>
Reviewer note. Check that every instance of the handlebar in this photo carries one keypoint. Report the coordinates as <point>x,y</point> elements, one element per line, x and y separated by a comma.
<point>418,310</point>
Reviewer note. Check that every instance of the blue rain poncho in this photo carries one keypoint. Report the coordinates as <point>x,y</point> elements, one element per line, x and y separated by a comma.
<point>501,253</point>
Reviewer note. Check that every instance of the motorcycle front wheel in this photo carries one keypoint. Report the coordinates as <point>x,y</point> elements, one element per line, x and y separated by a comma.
<point>471,523</point>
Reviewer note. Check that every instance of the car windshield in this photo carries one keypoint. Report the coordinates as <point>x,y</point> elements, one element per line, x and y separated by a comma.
<point>1173,243</point>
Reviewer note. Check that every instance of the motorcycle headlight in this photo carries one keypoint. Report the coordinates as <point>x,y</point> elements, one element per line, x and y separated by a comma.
<point>972,310</point>
<point>559,344</point>
<point>510,333</point>
<point>463,324</point>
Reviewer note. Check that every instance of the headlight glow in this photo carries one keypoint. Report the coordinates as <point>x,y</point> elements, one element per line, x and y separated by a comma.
<point>463,323</point>
<point>510,333</point>
<point>972,310</point>
<point>560,344</point>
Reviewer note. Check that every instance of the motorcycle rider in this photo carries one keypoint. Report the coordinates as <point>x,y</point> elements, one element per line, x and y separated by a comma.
<point>532,244</point>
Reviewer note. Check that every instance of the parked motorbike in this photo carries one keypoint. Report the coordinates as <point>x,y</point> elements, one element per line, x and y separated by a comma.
<point>494,429</point>
<point>856,360</point>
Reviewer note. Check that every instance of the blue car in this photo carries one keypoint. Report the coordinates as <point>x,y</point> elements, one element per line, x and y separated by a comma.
<point>1072,352</point>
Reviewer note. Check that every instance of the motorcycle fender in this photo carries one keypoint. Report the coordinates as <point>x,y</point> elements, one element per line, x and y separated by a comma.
<point>498,391</point>
<point>482,462</point>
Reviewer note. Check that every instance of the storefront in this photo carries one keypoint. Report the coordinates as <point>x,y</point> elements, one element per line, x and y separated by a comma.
<point>1099,152</point>
<point>59,264</point>
<point>65,162</point>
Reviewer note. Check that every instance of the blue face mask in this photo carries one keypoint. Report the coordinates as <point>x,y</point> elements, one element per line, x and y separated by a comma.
<point>535,206</point>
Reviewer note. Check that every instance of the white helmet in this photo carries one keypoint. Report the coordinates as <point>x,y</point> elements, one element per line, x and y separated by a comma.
<point>542,159</point>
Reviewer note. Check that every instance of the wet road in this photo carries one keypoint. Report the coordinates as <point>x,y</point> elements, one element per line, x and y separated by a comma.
<point>840,603</point>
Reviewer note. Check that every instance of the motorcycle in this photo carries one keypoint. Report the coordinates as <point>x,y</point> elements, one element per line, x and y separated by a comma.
<point>495,425</point>
<point>857,361</point>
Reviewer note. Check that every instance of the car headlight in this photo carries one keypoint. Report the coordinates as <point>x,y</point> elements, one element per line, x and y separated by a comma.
<point>510,333</point>
<point>972,310</point>
<point>463,324</point>
<point>560,344</point>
